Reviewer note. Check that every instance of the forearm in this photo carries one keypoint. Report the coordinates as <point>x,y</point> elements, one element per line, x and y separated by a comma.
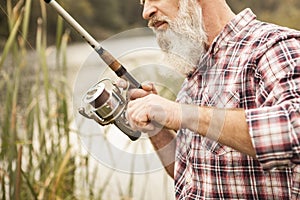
<point>164,142</point>
<point>226,126</point>
<point>236,133</point>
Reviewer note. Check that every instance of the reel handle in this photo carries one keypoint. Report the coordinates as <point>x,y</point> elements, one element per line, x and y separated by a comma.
<point>125,128</point>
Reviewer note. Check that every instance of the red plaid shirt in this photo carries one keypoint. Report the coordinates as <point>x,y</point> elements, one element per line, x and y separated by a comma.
<point>255,66</point>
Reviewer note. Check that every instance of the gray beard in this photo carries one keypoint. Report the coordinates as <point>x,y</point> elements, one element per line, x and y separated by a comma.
<point>183,43</point>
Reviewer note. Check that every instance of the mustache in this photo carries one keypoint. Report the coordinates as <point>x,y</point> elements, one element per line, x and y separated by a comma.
<point>155,19</point>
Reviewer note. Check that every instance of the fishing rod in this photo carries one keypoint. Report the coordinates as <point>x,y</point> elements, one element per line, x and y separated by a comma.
<point>112,62</point>
<point>104,101</point>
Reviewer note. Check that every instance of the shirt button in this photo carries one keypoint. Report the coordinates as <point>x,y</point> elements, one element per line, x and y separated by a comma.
<point>188,180</point>
<point>216,50</point>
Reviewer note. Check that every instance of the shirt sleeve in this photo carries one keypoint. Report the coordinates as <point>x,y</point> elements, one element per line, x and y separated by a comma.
<point>275,125</point>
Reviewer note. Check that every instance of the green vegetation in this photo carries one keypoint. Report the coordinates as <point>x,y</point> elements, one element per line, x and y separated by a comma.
<point>38,157</point>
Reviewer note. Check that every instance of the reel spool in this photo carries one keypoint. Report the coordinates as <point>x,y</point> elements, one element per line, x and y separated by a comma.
<point>105,104</point>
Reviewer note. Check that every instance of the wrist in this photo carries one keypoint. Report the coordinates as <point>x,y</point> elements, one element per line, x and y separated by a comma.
<point>174,117</point>
<point>190,115</point>
<point>195,118</point>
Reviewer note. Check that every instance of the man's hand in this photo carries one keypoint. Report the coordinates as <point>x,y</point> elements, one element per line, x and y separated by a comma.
<point>147,88</point>
<point>148,112</point>
<point>152,111</point>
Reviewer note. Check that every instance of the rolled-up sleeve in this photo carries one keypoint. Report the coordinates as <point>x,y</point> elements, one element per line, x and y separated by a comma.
<point>274,125</point>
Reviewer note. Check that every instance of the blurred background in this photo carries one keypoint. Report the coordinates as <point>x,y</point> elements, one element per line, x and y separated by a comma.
<point>103,17</point>
<point>42,155</point>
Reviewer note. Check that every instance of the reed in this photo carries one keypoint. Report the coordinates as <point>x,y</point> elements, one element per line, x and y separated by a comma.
<point>37,157</point>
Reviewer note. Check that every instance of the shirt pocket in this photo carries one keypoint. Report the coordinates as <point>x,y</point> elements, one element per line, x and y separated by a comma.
<point>221,99</point>
<point>224,99</point>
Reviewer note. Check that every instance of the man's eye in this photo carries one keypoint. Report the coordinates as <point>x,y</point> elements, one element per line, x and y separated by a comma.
<point>142,2</point>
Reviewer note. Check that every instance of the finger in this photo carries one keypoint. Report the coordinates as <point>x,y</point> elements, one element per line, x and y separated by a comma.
<point>137,93</point>
<point>141,126</point>
<point>145,127</point>
<point>121,83</point>
<point>137,115</point>
<point>149,86</point>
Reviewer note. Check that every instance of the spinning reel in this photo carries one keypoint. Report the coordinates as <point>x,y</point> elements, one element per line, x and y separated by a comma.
<point>105,103</point>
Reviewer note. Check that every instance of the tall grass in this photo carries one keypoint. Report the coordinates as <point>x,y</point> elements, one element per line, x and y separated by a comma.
<point>37,157</point>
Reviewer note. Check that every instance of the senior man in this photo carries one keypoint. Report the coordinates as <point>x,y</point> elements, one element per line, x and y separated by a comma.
<point>234,130</point>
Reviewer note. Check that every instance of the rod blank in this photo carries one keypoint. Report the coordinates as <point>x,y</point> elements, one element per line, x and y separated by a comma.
<point>113,63</point>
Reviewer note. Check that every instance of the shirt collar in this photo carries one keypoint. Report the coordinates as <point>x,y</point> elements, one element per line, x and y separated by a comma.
<point>236,25</point>
<point>229,32</point>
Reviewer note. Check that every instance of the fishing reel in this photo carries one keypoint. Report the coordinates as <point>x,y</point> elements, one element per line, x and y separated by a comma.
<point>105,103</point>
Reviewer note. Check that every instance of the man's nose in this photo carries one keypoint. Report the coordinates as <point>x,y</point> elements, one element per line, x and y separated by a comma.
<point>149,10</point>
